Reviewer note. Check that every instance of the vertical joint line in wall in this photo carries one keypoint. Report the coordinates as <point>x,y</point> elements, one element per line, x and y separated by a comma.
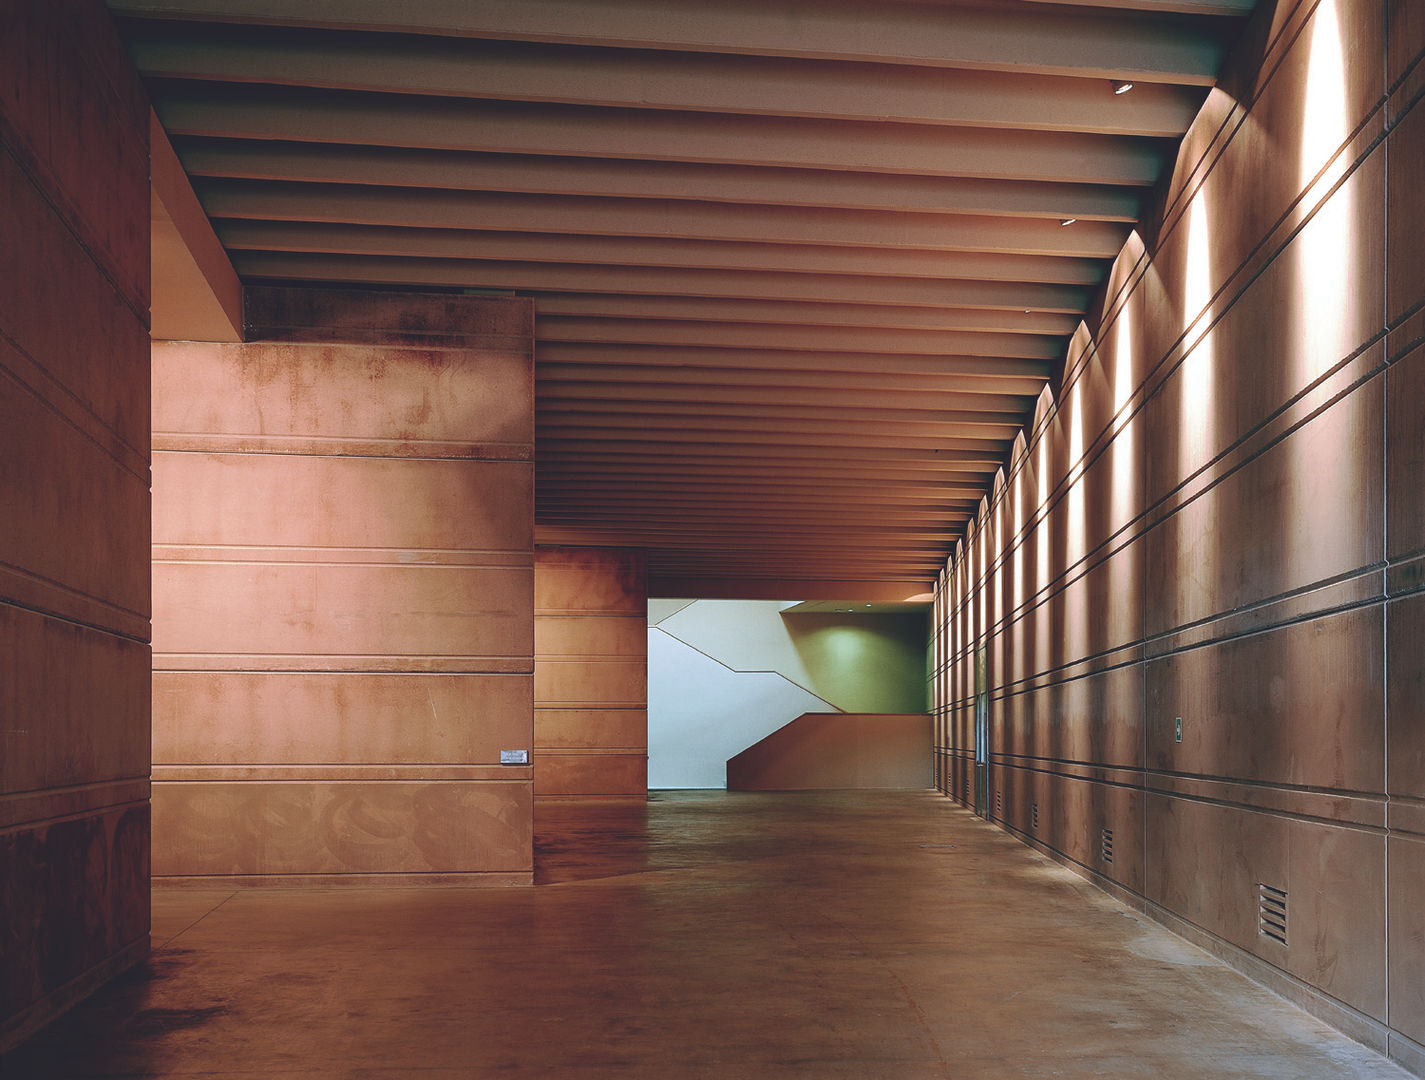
<point>1386,248</point>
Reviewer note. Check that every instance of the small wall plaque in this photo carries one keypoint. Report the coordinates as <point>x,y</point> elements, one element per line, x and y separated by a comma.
<point>514,757</point>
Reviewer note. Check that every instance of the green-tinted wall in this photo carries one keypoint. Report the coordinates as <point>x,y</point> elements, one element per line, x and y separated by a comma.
<point>863,663</point>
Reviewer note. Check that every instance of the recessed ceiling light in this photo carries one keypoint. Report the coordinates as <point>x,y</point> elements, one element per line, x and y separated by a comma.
<point>1122,87</point>
<point>1068,221</point>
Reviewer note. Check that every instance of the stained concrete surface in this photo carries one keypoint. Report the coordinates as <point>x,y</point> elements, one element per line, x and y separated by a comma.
<point>709,934</point>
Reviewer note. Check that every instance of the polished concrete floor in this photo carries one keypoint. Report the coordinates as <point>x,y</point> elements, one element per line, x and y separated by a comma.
<point>876,936</point>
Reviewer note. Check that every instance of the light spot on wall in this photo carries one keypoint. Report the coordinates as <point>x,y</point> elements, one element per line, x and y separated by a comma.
<point>1123,465</point>
<point>1018,518</point>
<point>1326,253</point>
<point>1195,440</point>
<point>1075,603</point>
<point>1078,535</point>
<point>1041,546</point>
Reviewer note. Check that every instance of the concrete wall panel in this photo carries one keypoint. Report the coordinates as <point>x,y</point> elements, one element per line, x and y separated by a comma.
<point>566,683</point>
<point>75,903</point>
<point>75,696</point>
<point>74,114</point>
<point>1275,506</point>
<point>1288,518</point>
<point>598,773</point>
<point>1095,718</point>
<point>301,828</point>
<point>1405,455</point>
<point>563,729</point>
<point>321,615</point>
<point>348,398</point>
<point>1405,631</point>
<point>74,502</point>
<point>1407,935</point>
<point>362,503</point>
<point>820,751</point>
<point>590,672</point>
<point>584,635</point>
<point>343,586</point>
<point>268,718</point>
<point>1300,704</point>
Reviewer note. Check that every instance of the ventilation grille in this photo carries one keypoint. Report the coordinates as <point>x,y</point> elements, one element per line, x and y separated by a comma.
<point>999,804</point>
<point>1034,817</point>
<point>1106,841</point>
<point>1271,912</point>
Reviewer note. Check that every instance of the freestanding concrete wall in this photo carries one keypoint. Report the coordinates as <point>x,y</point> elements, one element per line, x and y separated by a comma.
<point>590,672</point>
<point>74,510</point>
<point>830,751</point>
<point>343,593</point>
<point>1199,589</point>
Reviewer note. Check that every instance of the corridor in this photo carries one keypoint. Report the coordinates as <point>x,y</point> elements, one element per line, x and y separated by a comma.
<point>875,935</point>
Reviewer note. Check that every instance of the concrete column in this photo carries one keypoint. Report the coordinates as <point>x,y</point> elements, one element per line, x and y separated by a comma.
<point>591,672</point>
<point>74,510</point>
<point>343,593</point>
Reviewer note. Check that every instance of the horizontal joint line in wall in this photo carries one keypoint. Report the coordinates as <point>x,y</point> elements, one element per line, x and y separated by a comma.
<point>1148,518</point>
<point>585,613</point>
<point>467,668</point>
<point>394,564</point>
<point>328,765</point>
<point>587,658</point>
<point>70,620</point>
<point>1405,557</point>
<point>592,706</point>
<point>1247,609</point>
<point>165,443</point>
<point>1104,781</point>
<point>74,789</point>
<point>1354,826</point>
<point>70,223</point>
<point>1002,756</point>
<point>1308,789</point>
<point>1021,687</point>
<point>137,467</point>
<point>180,546</point>
<point>78,815</point>
<point>590,751</point>
<point>522,774</point>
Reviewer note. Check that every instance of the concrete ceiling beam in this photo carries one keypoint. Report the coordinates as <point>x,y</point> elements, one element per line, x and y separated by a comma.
<point>326,116</point>
<point>625,78</point>
<point>1149,47</point>
<point>297,234</point>
<point>824,288</point>
<point>542,175</point>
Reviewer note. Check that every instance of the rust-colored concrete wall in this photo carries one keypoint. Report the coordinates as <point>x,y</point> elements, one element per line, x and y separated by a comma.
<point>590,672</point>
<point>74,510</point>
<point>1218,520</point>
<point>343,593</point>
<point>829,751</point>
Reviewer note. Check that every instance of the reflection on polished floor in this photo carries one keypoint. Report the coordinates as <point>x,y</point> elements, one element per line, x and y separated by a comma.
<point>885,936</point>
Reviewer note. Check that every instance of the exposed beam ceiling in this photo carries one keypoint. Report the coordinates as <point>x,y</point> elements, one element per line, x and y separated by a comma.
<point>798,265</point>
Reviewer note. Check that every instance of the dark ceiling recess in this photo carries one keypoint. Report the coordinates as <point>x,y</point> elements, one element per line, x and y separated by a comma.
<point>799,265</point>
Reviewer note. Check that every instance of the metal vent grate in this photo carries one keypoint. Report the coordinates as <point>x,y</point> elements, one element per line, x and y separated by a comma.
<point>1106,842</point>
<point>999,804</point>
<point>1034,816</point>
<point>1271,912</point>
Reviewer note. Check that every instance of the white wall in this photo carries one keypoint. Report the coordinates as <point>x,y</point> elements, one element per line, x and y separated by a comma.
<point>723,674</point>
<point>701,712</point>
